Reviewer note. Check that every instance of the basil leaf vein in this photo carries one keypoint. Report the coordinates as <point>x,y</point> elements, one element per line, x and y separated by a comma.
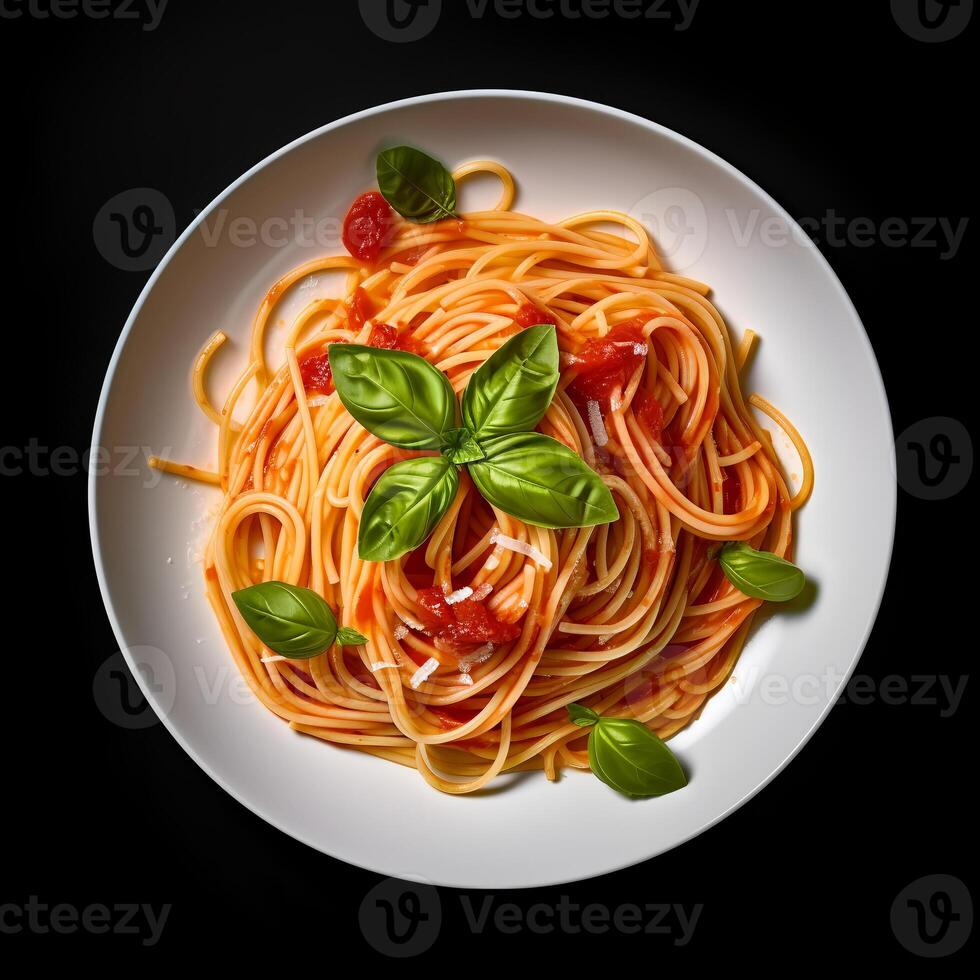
<point>404,506</point>
<point>760,574</point>
<point>399,397</point>
<point>541,481</point>
<point>416,185</point>
<point>512,389</point>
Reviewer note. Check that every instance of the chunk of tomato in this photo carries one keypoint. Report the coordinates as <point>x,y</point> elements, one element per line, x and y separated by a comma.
<point>367,226</point>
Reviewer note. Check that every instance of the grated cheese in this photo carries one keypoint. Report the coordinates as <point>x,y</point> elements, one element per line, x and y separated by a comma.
<point>482,592</point>
<point>401,631</point>
<point>478,656</point>
<point>639,350</point>
<point>521,547</point>
<point>596,424</point>
<point>459,595</point>
<point>423,673</point>
<point>381,665</point>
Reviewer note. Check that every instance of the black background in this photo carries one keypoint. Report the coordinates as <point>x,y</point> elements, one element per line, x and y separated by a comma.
<point>826,105</point>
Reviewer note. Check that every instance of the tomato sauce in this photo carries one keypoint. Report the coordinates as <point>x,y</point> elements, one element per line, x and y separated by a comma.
<point>607,363</point>
<point>650,413</point>
<point>364,610</point>
<point>316,374</point>
<point>367,226</point>
<point>731,493</point>
<point>464,623</point>
<point>360,309</point>
<point>385,336</point>
<point>451,717</point>
<point>530,315</point>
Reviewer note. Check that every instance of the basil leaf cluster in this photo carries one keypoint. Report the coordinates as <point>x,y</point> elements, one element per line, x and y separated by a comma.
<point>760,574</point>
<point>405,401</point>
<point>292,621</point>
<point>627,756</point>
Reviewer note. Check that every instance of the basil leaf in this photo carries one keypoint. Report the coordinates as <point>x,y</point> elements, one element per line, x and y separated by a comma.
<point>627,756</point>
<point>512,389</point>
<point>581,715</point>
<point>404,506</point>
<point>460,446</point>
<point>417,186</point>
<point>399,397</point>
<point>348,637</point>
<point>291,621</point>
<point>760,574</point>
<point>540,481</point>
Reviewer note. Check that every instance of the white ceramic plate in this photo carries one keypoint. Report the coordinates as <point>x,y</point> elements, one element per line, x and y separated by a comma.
<point>815,362</point>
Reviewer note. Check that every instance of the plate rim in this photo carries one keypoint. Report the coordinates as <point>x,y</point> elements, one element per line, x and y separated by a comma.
<point>454,95</point>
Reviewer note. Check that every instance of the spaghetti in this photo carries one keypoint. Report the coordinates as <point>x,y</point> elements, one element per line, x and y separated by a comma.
<point>633,618</point>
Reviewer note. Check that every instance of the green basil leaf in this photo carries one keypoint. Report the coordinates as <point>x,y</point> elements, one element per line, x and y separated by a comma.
<point>540,481</point>
<point>627,756</point>
<point>291,621</point>
<point>400,397</point>
<point>760,574</point>
<point>404,506</point>
<point>581,715</point>
<point>417,186</point>
<point>512,389</point>
<point>460,447</point>
<point>348,637</point>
